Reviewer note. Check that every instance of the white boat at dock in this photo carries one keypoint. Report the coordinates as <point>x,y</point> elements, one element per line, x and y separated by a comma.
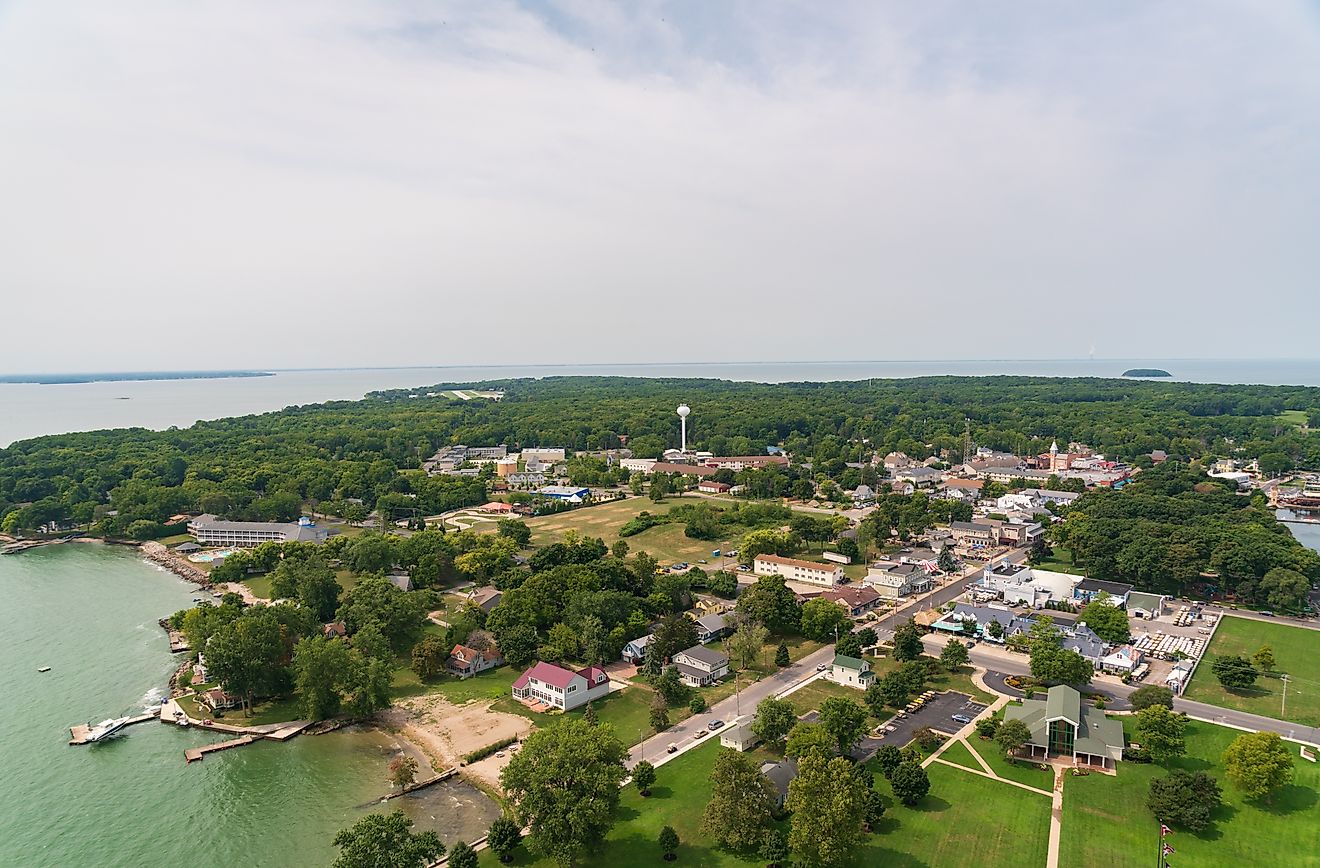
<point>106,728</point>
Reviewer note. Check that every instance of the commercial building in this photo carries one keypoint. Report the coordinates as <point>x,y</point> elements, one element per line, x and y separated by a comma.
<point>637,465</point>
<point>1061,726</point>
<point>211,531</point>
<point>570,493</point>
<point>544,455</point>
<point>742,462</point>
<point>794,570</point>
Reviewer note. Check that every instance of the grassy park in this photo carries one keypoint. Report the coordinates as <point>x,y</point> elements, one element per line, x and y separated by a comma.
<point>1106,824</point>
<point>1296,652</point>
<point>664,542</point>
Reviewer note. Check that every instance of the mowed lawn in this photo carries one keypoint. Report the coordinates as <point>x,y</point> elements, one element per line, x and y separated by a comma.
<point>1106,823</point>
<point>1296,651</point>
<point>627,710</point>
<point>966,820</point>
<point>666,542</point>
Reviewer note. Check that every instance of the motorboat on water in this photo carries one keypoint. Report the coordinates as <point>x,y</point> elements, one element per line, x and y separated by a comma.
<point>106,728</point>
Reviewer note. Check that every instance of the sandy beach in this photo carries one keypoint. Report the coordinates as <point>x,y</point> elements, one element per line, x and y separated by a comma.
<point>448,732</point>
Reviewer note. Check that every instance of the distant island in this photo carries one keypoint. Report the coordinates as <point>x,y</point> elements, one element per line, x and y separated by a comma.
<point>66,379</point>
<point>1146,372</point>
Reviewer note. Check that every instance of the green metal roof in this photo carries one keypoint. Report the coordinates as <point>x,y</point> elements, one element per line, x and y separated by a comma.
<point>851,663</point>
<point>1063,701</point>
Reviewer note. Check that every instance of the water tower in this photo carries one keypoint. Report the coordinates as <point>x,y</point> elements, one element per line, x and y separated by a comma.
<point>683,410</point>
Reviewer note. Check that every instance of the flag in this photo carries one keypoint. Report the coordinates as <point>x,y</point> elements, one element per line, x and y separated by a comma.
<point>1165,830</point>
<point>1168,851</point>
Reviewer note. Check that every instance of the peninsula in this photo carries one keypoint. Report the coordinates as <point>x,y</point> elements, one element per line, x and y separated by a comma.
<point>126,376</point>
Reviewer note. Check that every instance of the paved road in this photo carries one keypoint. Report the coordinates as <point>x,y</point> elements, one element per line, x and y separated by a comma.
<point>884,628</point>
<point>1009,663</point>
<point>727,710</point>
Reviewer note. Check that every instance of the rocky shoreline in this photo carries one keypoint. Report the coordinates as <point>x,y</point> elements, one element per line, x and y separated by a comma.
<point>163,556</point>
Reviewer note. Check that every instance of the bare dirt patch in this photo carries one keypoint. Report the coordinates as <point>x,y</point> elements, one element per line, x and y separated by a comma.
<point>448,732</point>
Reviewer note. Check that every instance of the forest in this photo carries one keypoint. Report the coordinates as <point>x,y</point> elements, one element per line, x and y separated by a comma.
<point>1175,530</point>
<point>265,467</point>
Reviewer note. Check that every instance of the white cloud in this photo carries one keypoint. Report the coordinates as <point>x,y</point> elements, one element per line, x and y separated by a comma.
<point>197,185</point>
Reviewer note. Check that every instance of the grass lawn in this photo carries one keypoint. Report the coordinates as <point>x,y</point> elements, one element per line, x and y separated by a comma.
<point>809,698</point>
<point>1297,652</point>
<point>1293,417</point>
<point>260,585</point>
<point>1060,562</point>
<point>959,754</point>
<point>1023,772</point>
<point>966,819</point>
<point>273,711</point>
<point>1106,824</point>
<point>666,542</point>
<point>628,711</point>
<point>176,539</point>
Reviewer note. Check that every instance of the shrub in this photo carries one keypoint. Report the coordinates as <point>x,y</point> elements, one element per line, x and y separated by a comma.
<point>482,752</point>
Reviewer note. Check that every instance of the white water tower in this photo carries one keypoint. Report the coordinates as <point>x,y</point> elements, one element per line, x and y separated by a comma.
<point>683,410</point>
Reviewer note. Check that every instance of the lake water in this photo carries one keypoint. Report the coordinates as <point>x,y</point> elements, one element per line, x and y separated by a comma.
<point>30,410</point>
<point>89,612</point>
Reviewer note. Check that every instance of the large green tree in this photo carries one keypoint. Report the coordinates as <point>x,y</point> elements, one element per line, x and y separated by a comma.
<point>564,786</point>
<point>1183,798</point>
<point>844,720</point>
<point>829,805</point>
<point>1258,764</point>
<point>774,719</point>
<point>1162,732</point>
<point>386,841</point>
<point>741,801</point>
<point>399,614</point>
<point>1108,621</point>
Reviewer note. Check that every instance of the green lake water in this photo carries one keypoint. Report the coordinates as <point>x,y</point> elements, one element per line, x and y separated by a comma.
<point>90,612</point>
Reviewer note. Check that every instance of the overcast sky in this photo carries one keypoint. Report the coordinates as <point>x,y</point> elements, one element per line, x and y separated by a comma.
<point>294,184</point>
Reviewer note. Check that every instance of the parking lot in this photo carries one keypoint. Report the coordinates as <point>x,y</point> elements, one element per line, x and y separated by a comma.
<point>937,713</point>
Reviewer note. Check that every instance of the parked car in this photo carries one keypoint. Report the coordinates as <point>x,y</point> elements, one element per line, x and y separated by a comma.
<point>821,667</point>
<point>1266,613</point>
<point>961,718</point>
<point>714,725</point>
<point>673,748</point>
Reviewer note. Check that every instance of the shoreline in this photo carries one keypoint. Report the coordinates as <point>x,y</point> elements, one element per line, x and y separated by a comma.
<point>162,556</point>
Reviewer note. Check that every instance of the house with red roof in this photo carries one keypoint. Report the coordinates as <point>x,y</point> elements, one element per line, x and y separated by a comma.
<point>561,688</point>
<point>466,662</point>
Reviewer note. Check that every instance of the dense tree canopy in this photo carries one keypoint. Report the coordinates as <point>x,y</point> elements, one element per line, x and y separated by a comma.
<point>267,466</point>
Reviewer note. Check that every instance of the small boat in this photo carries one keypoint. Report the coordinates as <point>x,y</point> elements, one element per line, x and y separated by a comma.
<point>106,728</point>
<point>43,668</point>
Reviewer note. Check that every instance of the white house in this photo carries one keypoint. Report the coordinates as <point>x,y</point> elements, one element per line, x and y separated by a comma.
<point>851,672</point>
<point>1124,658</point>
<point>699,666</point>
<point>561,688</point>
<point>739,737</point>
<point>466,662</point>
<point>794,570</point>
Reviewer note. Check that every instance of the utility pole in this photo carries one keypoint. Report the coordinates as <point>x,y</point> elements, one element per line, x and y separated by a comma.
<point>1283,708</point>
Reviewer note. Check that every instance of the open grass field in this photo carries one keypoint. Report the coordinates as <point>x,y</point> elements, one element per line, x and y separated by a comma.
<point>1106,823</point>
<point>1296,651</point>
<point>966,819</point>
<point>809,698</point>
<point>270,711</point>
<point>1293,417</point>
<point>1060,562</point>
<point>664,542</point>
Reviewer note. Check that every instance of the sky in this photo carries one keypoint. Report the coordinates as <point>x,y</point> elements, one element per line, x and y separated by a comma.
<point>332,183</point>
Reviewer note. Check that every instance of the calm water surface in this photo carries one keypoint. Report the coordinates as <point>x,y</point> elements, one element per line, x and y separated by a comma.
<point>89,612</point>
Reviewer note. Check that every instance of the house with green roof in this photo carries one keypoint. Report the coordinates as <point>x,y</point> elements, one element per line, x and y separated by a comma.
<point>851,672</point>
<point>1061,726</point>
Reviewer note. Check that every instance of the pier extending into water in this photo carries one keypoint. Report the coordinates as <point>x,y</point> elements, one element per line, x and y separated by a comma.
<point>79,732</point>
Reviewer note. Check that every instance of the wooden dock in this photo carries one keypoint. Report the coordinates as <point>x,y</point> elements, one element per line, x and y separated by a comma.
<point>78,734</point>
<point>194,754</point>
